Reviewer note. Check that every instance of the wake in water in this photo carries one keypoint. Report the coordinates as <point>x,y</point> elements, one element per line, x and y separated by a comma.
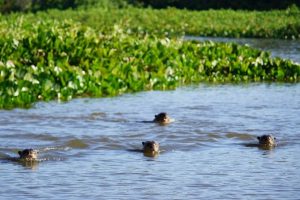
<point>30,158</point>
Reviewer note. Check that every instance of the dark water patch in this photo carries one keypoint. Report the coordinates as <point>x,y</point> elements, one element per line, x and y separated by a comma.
<point>29,136</point>
<point>27,165</point>
<point>77,144</point>
<point>27,116</point>
<point>198,108</point>
<point>108,143</point>
<point>97,115</point>
<point>214,135</point>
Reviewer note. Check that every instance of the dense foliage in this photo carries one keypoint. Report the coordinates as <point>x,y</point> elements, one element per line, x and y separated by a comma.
<point>219,4</point>
<point>173,22</point>
<point>61,60</point>
<point>8,6</point>
<point>105,51</point>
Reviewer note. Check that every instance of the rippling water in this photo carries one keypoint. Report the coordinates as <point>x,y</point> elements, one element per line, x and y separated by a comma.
<point>84,145</point>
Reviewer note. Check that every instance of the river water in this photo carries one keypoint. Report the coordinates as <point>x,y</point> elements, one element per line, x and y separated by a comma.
<point>85,145</point>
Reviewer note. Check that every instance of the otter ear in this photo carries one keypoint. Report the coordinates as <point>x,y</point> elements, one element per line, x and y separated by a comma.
<point>20,153</point>
<point>258,138</point>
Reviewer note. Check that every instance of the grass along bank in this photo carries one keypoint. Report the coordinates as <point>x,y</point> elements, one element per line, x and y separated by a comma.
<point>62,60</point>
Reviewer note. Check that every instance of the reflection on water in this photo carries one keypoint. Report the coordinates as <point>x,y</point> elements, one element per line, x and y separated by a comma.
<point>85,145</point>
<point>288,49</point>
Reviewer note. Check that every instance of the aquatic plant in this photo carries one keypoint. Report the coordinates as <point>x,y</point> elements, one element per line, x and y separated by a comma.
<point>61,60</point>
<point>173,22</point>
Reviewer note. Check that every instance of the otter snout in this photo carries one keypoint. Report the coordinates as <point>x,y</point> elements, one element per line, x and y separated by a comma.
<point>267,140</point>
<point>150,147</point>
<point>28,154</point>
<point>162,118</point>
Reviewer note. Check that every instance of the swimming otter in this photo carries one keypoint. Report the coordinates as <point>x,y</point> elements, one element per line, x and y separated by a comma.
<point>162,118</point>
<point>28,155</point>
<point>267,141</point>
<point>150,148</point>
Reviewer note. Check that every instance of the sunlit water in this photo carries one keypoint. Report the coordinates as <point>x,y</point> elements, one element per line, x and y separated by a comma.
<point>84,145</point>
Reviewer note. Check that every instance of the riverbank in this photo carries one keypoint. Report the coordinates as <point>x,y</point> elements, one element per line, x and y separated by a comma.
<point>46,57</point>
<point>61,60</point>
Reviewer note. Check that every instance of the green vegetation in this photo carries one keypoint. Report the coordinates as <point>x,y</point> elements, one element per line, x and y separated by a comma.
<point>284,24</point>
<point>61,60</point>
<point>105,51</point>
<point>219,4</point>
<point>173,22</point>
<point>8,6</point>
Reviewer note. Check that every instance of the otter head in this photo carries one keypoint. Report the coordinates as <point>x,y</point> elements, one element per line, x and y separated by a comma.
<point>267,141</point>
<point>150,147</point>
<point>162,118</point>
<point>28,155</point>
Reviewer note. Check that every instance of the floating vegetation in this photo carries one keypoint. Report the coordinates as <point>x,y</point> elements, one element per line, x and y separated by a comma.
<point>62,60</point>
<point>284,24</point>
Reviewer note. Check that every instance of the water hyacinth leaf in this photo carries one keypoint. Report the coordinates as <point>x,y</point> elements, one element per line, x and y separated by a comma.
<point>28,77</point>
<point>280,74</point>
<point>48,85</point>
<point>94,64</point>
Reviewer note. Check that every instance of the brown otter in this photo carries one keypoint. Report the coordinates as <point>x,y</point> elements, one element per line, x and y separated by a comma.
<point>150,148</point>
<point>162,118</point>
<point>267,141</point>
<point>28,155</point>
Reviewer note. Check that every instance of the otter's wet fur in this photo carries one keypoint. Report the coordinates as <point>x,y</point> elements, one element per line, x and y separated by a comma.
<point>267,141</point>
<point>151,148</point>
<point>28,155</point>
<point>161,118</point>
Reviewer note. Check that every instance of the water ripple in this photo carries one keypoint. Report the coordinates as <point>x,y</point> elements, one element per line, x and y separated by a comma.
<point>85,144</point>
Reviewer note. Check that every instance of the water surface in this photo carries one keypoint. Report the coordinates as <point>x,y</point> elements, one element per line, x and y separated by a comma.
<point>84,145</point>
